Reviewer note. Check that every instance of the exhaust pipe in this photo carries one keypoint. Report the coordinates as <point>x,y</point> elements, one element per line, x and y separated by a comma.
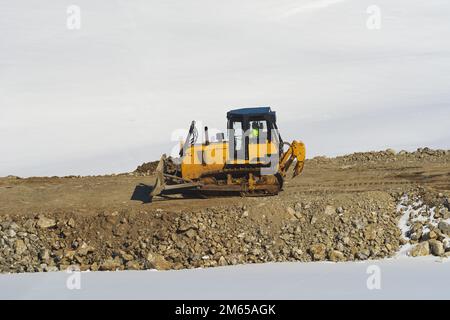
<point>206,136</point>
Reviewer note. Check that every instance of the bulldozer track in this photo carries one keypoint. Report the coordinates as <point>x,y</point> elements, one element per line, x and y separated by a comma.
<point>364,186</point>
<point>355,184</point>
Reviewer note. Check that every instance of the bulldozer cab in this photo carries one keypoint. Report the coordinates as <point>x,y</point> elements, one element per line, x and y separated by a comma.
<point>252,133</point>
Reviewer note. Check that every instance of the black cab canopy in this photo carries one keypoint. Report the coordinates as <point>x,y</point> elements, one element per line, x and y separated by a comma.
<point>252,113</point>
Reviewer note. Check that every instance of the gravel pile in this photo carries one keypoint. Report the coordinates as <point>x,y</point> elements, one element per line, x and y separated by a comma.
<point>389,155</point>
<point>357,228</point>
<point>425,222</point>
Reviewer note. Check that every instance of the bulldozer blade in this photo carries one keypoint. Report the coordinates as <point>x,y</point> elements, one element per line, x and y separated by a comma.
<point>176,188</point>
<point>160,182</point>
<point>161,188</point>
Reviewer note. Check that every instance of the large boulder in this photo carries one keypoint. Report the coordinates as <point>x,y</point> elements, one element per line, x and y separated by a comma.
<point>391,152</point>
<point>222,261</point>
<point>20,247</point>
<point>111,264</point>
<point>157,261</point>
<point>421,249</point>
<point>318,251</point>
<point>133,265</point>
<point>436,247</point>
<point>336,255</point>
<point>45,222</point>
<point>44,255</point>
<point>444,227</point>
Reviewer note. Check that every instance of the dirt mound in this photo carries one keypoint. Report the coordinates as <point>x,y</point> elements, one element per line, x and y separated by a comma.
<point>388,155</point>
<point>147,168</point>
<point>317,228</point>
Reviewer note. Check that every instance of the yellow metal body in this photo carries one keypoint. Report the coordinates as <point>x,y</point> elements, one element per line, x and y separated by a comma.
<point>256,165</point>
<point>203,158</point>
<point>297,152</point>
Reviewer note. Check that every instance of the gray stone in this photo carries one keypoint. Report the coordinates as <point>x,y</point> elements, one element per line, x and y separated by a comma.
<point>421,249</point>
<point>84,249</point>
<point>318,251</point>
<point>222,261</point>
<point>44,255</point>
<point>391,152</point>
<point>336,255</point>
<point>157,261</point>
<point>11,233</point>
<point>363,254</point>
<point>191,233</point>
<point>111,264</point>
<point>444,227</point>
<point>436,247</point>
<point>428,236</point>
<point>329,210</point>
<point>133,265</point>
<point>29,224</point>
<point>185,226</point>
<point>45,222</point>
<point>14,226</point>
<point>71,223</point>
<point>51,269</point>
<point>291,212</point>
<point>126,256</point>
<point>20,247</point>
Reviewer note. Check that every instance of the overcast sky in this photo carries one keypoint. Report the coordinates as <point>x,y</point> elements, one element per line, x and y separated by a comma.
<point>108,96</point>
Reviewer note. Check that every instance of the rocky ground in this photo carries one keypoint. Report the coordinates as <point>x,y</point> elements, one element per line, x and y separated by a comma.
<point>355,207</point>
<point>147,168</point>
<point>425,222</point>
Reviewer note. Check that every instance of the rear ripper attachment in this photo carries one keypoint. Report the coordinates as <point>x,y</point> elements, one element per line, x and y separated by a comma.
<point>251,163</point>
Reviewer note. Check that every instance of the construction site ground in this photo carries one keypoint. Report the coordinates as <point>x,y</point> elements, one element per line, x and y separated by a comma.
<point>94,194</point>
<point>338,209</point>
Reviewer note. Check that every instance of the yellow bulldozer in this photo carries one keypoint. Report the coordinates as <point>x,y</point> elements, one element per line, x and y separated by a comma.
<point>251,162</point>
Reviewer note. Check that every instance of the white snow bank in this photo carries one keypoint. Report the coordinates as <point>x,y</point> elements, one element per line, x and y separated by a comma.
<point>416,211</point>
<point>408,278</point>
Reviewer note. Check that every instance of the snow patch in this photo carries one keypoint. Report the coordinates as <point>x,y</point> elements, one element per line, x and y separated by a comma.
<point>414,210</point>
<point>400,278</point>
